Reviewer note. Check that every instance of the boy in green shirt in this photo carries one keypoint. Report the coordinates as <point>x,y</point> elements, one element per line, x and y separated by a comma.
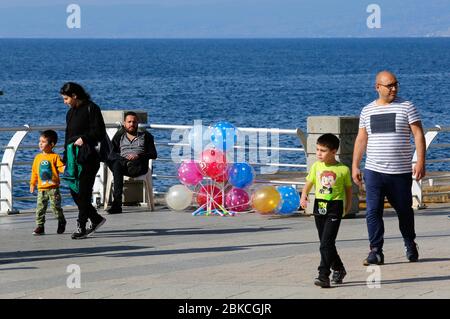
<point>333,191</point>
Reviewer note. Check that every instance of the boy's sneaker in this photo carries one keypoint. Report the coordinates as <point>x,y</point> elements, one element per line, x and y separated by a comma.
<point>39,230</point>
<point>61,227</point>
<point>94,227</point>
<point>80,233</point>
<point>412,252</point>
<point>322,281</point>
<point>375,258</point>
<point>338,276</point>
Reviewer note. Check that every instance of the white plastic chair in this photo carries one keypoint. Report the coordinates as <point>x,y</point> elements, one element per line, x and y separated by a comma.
<point>148,186</point>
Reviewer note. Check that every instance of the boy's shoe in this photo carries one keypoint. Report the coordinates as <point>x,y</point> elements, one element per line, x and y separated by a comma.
<point>338,276</point>
<point>94,227</point>
<point>80,233</point>
<point>412,252</point>
<point>39,230</point>
<point>322,281</point>
<point>375,258</point>
<point>61,227</point>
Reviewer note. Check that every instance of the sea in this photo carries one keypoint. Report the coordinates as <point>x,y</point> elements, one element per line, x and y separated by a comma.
<point>274,83</point>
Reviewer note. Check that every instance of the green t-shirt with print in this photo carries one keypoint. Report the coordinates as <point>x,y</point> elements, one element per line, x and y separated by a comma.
<point>329,181</point>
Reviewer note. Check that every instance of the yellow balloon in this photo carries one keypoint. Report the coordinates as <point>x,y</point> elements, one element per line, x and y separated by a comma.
<point>265,199</point>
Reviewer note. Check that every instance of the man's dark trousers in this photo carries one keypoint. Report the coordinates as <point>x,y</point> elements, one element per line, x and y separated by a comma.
<point>123,167</point>
<point>397,189</point>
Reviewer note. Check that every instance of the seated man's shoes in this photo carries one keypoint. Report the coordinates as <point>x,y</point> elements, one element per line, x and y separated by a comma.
<point>114,210</point>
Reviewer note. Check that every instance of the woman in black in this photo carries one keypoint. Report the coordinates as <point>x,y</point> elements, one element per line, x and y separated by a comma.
<point>84,128</point>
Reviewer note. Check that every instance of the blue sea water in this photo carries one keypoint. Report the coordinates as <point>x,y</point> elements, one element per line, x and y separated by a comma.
<point>249,82</point>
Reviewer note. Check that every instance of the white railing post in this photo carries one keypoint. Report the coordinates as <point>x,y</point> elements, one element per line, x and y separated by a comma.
<point>416,188</point>
<point>6,173</point>
<point>303,139</point>
<point>99,191</point>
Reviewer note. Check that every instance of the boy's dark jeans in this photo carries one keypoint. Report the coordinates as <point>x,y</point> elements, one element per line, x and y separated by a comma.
<point>328,226</point>
<point>397,189</point>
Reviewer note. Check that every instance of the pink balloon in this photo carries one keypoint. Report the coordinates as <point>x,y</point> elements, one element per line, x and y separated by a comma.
<point>189,173</point>
<point>237,200</point>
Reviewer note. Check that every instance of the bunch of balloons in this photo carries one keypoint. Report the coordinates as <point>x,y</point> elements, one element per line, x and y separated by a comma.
<point>222,188</point>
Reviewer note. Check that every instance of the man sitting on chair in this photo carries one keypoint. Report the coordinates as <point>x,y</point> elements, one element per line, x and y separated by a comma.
<point>132,150</point>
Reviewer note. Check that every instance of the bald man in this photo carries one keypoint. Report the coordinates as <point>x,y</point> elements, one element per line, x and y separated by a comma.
<point>385,128</point>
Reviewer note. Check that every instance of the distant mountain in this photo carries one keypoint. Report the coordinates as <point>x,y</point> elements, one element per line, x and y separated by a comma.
<point>226,18</point>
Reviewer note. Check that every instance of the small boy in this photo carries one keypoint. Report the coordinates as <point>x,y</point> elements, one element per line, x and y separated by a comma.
<point>45,173</point>
<point>333,188</point>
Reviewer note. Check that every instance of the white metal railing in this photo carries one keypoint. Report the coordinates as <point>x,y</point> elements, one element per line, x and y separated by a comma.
<point>9,163</point>
<point>417,187</point>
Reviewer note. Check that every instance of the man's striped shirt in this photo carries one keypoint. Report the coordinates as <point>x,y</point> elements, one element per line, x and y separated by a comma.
<point>389,148</point>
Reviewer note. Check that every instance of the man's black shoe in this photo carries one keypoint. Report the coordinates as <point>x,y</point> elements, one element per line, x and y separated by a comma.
<point>338,276</point>
<point>412,252</point>
<point>322,281</point>
<point>375,257</point>
<point>94,227</point>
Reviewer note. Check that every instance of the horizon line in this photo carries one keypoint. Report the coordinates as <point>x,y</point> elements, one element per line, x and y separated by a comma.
<point>222,38</point>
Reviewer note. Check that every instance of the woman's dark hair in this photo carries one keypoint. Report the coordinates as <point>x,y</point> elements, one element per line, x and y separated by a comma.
<point>71,88</point>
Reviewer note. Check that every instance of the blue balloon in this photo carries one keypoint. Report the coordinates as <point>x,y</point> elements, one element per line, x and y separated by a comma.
<point>241,175</point>
<point>224,135</point>
<point>290,200</point>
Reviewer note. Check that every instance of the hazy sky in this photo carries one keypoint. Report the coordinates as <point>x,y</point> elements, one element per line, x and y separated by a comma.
<point>224,18</point>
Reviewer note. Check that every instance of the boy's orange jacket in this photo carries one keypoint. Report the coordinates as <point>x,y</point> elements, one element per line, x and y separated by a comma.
<point>45,171</point>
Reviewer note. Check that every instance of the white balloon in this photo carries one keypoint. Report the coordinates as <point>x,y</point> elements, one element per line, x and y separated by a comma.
<point>179,197</point>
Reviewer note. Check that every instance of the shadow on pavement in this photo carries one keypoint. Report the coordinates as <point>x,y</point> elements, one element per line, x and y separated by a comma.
<point>182,231</point>
<point>396,281</point>
<point>53,254</point>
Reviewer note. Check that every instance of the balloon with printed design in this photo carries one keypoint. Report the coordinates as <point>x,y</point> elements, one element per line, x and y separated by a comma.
<point>224,135</point>
<point>213,163</point>
<point>237,200</point>
<point>290,200</point>
<point>189,173</point>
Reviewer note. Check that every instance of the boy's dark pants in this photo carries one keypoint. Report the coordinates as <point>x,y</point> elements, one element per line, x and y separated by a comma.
<point>328,227</point>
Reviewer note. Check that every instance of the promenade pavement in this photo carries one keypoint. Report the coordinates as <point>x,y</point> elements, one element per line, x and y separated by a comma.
<point>166,254</point>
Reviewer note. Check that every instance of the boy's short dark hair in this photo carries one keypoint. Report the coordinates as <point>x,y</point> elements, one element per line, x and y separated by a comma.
<point>130,113</point>
<point>329,140</point>
<point>51,136</point>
